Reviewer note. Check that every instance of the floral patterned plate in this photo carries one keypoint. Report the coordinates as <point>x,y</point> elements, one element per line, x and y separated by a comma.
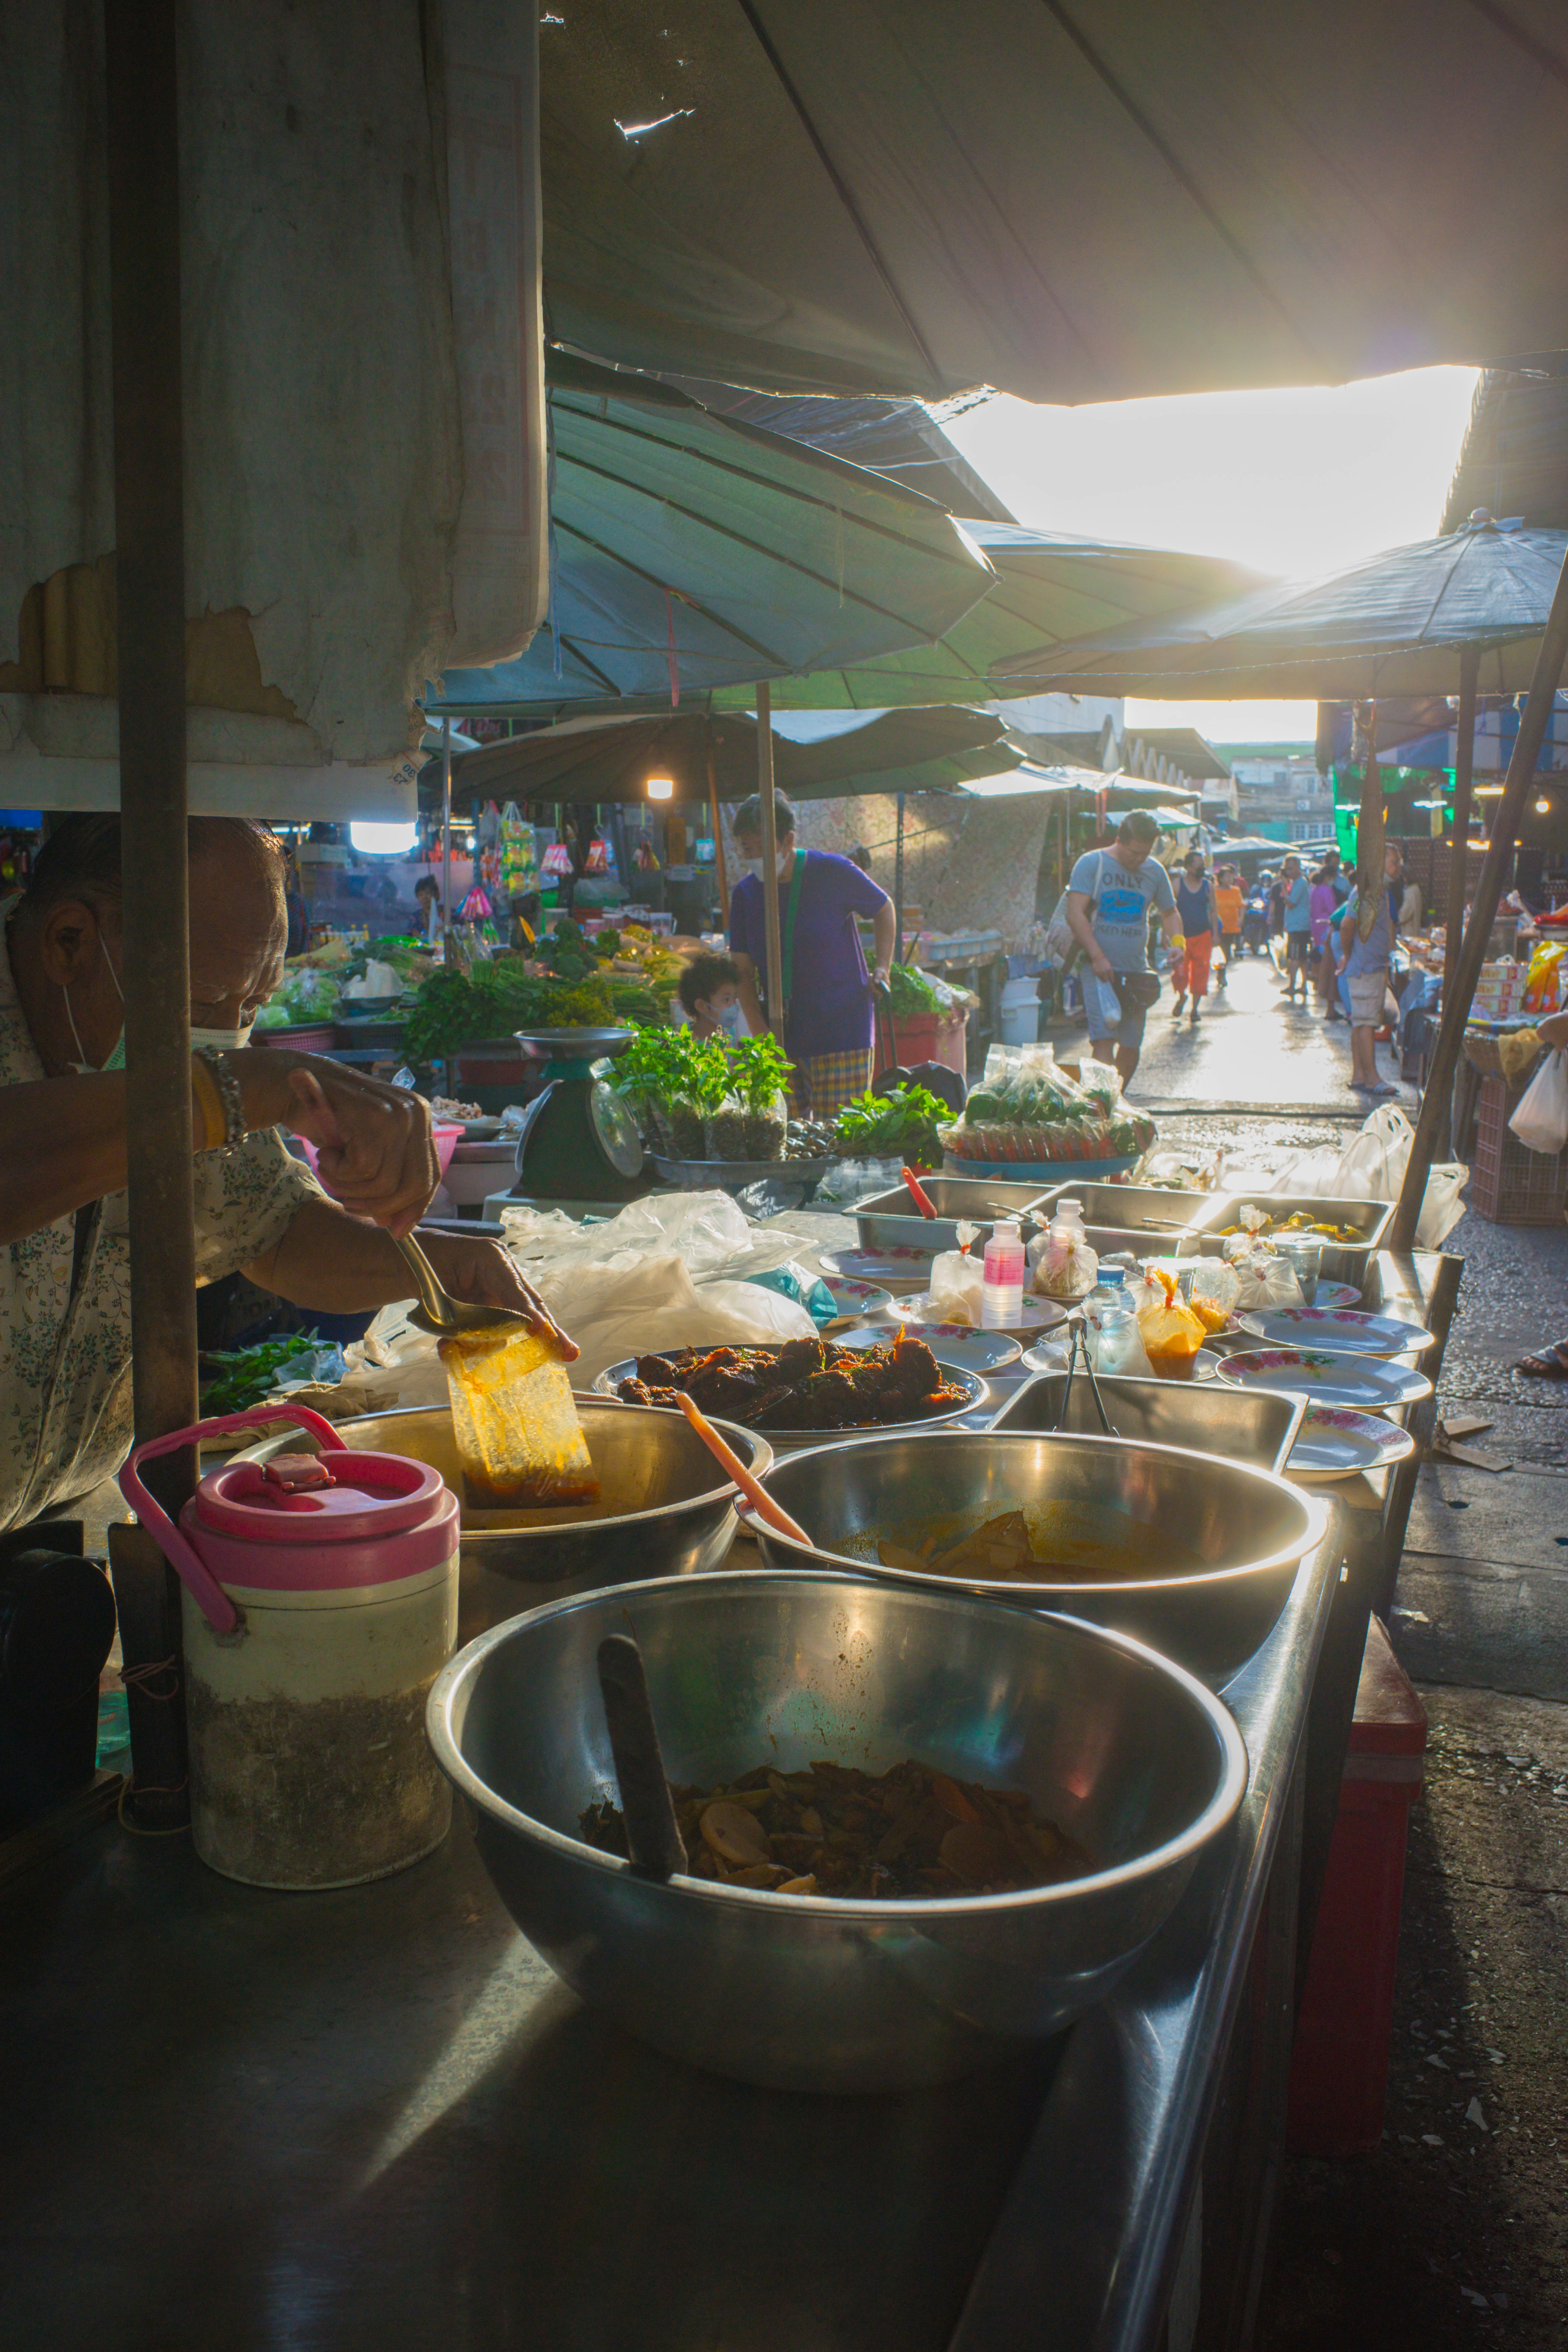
<point>1333,1444</point>
<point>858,1299</point>
<point>1363,1383</point>
<point>1339,1330</point>
<point>950,1343</point>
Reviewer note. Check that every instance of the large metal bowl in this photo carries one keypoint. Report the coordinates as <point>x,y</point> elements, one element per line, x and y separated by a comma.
<point>796,1440</point>
<point>1128,1755</point>
<point>663,1508</point>
<point>1250,1529</point>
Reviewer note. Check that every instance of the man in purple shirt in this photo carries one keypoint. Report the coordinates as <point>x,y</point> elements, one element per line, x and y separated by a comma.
<point>827,990</point>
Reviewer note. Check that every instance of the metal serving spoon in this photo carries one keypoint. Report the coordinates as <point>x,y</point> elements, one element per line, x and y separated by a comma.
<point>437,1310</point>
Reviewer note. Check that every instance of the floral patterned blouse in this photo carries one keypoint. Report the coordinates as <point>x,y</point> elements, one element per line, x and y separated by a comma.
<point>65,1345</point>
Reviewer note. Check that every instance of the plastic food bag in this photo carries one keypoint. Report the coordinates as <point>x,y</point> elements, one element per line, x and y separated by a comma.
<point>1373,1169</point>
<point>1060,1267</point>
<point>1540,1120</point>
<point>1266,1279</point>
<point>1171,1332</point>
<point>955,1284</point>
<point>519,1437</point>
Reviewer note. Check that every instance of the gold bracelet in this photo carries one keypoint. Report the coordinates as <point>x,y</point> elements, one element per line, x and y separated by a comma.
<point>208,1101</point>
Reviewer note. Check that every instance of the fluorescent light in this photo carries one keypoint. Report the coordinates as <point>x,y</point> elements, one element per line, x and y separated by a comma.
<point>1489,792</point>
<point>661,788</point>
<point>383,840</point>
<point>1543,808</point>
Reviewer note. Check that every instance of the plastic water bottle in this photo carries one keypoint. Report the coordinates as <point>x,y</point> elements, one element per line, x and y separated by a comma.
<point>1115,1342</point>
<point>1002,1279</point>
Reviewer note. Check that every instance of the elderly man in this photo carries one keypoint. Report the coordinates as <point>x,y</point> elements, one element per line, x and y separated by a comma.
<point>65,1313</point>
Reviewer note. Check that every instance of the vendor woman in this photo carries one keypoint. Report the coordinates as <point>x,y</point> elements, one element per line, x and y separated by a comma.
<point>65,1307</point>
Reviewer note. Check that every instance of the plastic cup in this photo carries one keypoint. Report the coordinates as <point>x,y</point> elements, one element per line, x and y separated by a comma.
<point>1305,1251</point>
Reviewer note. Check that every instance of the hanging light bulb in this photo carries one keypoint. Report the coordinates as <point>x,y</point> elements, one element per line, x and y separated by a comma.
<point>660,788</point>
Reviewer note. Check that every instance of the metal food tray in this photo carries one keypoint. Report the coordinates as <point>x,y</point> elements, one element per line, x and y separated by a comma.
<point>1248,1425</point>
<point>892,1220</point>
<point>1342,1261</point>
<point>1152,1209</point>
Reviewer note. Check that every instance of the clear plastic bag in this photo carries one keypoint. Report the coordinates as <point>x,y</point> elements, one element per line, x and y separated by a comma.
<point>1267,1280</point>
<point>1540,1121</point>
<point>518,1436</point>
<point>956,1279</point>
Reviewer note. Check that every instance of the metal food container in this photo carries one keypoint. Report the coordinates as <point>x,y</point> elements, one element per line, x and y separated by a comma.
<point>1127,1755</point>
<point>792,1440</point>
<point>1342,1261</point>
<point>664,1507</point>
<point>1250,1527</point>
<point>892,1220</point>
<point>1150,1209</point>
<point>1203,1420</point>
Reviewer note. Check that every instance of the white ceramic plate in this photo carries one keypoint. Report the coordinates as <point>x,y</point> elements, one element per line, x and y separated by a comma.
<point>1336,1294</point>
<point>898,1268</point>
<point>1333,1444</point>
<point>858,1299</point>
<point>1038,1313</point>
<point>1339,1330</point>
<point>950,1343</point>
<point>1204,1366</point>
<point>1362,1384</point>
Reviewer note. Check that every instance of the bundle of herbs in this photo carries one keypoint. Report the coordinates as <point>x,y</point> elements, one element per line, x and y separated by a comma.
<point>674,1081</point>
<point>752,1121</point>
<point>900,1125</point>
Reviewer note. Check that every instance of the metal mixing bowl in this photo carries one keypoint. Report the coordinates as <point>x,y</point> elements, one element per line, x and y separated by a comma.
<point>1251,1527</point>
<point>795,1441</point>
<point>1127,1754</point>
<point>664,1509</point>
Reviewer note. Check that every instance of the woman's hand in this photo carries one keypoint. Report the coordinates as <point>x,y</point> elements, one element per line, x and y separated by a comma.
<point>374,1147</point>
<point>485,1274</point>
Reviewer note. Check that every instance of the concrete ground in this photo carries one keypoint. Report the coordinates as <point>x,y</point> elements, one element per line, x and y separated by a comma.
<point>1455,2232</point>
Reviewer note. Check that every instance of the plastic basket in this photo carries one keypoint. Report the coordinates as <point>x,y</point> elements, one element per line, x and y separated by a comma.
<point>1509,1185</point>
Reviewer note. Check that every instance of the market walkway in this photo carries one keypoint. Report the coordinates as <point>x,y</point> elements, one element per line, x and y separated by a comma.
<point>1248,1045</point>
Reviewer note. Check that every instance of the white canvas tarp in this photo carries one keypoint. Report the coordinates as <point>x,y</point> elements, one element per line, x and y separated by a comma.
<point>363,364</point>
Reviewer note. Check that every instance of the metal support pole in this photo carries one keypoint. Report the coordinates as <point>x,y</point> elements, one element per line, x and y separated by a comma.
<point>1464,766</point>
<point>1461,973</point>
<point>770,859</point>
<point>150,559</point>
<point>446,839</point>
<point>721,871</point>
<point>898,885</point>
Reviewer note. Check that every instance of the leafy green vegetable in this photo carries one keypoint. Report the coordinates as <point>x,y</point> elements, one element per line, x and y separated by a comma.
<point>759,1072</point>
<point>903,1122</point>
<point>670,1066</point>
<point>913,993</point>
<point>246,1375</point>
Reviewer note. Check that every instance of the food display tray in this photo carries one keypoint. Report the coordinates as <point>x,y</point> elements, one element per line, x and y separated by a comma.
<point>734,1175</point>
<point>888,1220</point>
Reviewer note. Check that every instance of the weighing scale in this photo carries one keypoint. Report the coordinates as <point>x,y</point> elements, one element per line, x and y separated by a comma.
<point>578,1140</point>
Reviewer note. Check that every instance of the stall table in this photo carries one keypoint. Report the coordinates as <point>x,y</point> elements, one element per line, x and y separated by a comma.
<point>373,2118</point>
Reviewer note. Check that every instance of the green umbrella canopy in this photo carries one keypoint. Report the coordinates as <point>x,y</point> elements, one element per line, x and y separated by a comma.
<point>1073,200</point>
<point>1394,625</point>
<point>1051,587</point>
<point>817,755</point>
<point>700,551</point>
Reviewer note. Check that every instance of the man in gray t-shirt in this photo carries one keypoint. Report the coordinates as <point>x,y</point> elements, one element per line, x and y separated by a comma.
<point>1110,895</point>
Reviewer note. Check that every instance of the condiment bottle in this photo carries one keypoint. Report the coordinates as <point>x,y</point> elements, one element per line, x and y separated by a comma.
<point>1001,1281</point>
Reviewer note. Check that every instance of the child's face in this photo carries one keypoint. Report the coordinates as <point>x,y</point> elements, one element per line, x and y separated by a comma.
<point>720,1000</point>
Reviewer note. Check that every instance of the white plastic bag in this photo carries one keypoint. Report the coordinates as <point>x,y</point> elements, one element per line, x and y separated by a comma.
<point>1373,1169</point>
<point>1540,1120</point>
<point>956,1280</point>
<point>1268,1281</point>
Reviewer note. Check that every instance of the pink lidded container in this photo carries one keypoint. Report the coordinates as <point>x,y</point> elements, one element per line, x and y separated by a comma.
<point>320,1605</point>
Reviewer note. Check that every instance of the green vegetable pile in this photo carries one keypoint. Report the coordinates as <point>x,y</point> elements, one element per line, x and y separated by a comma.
<point>915,994</point>
<point>243,1376</point>
<point>455,1009</point>
<point>900,1124</point>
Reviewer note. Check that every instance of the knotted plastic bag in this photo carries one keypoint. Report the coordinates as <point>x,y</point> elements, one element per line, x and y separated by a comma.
<point>956,1279</point>
<point>1171,1329</point>
<point>519,1437</point>
<point>1266,1279</point>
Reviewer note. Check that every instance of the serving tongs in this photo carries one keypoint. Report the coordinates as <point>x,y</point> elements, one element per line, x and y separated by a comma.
<point>1079,1329</point>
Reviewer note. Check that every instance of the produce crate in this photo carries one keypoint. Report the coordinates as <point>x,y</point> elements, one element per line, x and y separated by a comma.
<point>924,1037</point>
<point>1509,1185</point>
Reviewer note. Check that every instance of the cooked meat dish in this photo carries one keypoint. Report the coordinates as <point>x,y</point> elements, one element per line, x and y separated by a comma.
<point>905,1835</point>
<point>805,1384</point>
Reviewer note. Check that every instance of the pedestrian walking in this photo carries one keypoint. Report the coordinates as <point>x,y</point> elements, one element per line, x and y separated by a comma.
<point>1200,926</point>
<point>1229,899</point>
<point>1365,966</point>
<point>1324,904</point>
<point>1296,904</point>
<point>1110,895</point>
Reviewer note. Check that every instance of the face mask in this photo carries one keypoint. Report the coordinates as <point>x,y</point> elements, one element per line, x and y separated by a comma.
<point>728,1017</point>
<point>116,1061</point>
<point>223,1041</point>
<point>782,864</point>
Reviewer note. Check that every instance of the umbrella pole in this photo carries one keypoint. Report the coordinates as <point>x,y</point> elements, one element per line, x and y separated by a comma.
<point>720,870</point>
<point>150,561</point>
<point>770,859</point>
<point>1460,973</point>
<point>899,886</point>
<point>447,871</point>
<point>1464,766</point>
<point>1372,828</point>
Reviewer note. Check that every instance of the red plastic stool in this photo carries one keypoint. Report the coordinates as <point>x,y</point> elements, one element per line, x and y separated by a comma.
<point>1339,2067</point>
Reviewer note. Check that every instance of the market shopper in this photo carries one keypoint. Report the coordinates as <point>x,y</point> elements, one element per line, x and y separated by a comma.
<point>708,996</point>
<point>1296,906</point>
<point>65,1313</point>
<point>1112,894</point>
<point>1363,966</point>
<point>1550,1362</point>
<point>1229,899</point>
<point>1323,904</point>
<point>428,899</point>
<point>1200,926</point>
<point>826,1015</point>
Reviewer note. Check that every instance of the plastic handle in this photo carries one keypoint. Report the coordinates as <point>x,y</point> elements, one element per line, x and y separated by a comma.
<point>918,1193</point>
<point>180,1554</point>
